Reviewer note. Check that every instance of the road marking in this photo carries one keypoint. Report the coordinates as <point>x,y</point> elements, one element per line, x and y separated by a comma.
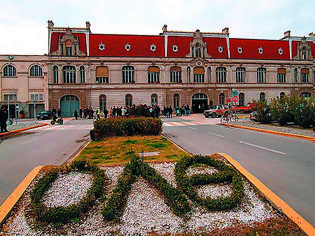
<point>192,128</point>
<point>183,123</point>
<point>264,148</point>
<point>218,135</point>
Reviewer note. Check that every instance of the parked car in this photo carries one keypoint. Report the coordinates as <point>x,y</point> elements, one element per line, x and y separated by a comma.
<point>216,111</point>
<point>44,115</point>
<point>249,107</point>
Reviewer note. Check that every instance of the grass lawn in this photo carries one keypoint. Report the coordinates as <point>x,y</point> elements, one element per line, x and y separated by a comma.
<point>115,150</point>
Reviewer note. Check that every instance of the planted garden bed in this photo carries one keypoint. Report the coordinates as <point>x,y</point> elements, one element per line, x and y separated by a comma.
<point>150,198</point>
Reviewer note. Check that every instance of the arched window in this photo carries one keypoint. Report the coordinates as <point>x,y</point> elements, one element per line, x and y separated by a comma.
<point>261,75</point>
<point>153,74</point>
<point>262,96</point>
<point>9,71</point>
<point>69,74</point>
<point>176,100</point>
<point>281,75</point>
<point>198,50</point>
<point>55,74</point>
<point>304,75</point>
<point>282,94</point>
<point>82,74</point>
<point>102,75</point>
<point>221,98</point>
<point>199,75</point>
<point>221,74</point>
<point>304,53</point>
<point>240,75</point>
<point>36,71</point>
<point>295,75</point>
<point>128,100</point>
<point>154,99</point>
<point>305,95</point>
<point>188,74</point>
<point>102,102</point>
<point>128,74</point>
<point>176,74</point>
<point>241,100</point>
<point>209,74</point>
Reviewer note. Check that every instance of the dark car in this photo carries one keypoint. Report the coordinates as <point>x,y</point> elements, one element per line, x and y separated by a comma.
<point>44,115</point>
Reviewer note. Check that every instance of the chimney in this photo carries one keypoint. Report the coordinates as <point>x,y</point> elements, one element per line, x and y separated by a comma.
<point>287,34</point>
<point>164,28</point>
<point>226,30</point>
<point>50,24</point>
<point>88,25</point>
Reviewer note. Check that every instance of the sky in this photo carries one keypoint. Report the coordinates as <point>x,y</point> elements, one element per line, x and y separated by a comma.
<point>23,24</point>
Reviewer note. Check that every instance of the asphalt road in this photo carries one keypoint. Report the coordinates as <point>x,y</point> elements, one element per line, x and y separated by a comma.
<point>285,165</point>
<point>48,145</point>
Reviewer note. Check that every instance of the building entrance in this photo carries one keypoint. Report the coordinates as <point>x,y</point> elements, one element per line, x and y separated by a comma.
<point>68,104</point>
<point>199,102</point>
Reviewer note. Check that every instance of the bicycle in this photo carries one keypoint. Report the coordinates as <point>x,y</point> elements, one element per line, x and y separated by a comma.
<point>233,117</point>
<point>226,117</point>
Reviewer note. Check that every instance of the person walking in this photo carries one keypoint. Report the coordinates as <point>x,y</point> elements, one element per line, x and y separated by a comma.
<point>81,112</point>
<point>98,112</point>
<point>3,119</point>
<point>59,112</point>
<point>76,114</point>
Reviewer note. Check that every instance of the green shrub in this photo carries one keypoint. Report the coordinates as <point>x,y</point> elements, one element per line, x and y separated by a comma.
<point>115,204</point>
<point>263,112</point>
<point>63,214</point>
<point>225,174</point>
<point>120,126</point>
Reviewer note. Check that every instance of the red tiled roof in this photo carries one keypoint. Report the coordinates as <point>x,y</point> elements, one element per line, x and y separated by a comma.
<point>182,43</point>
<point>213,45</point>
<point>250,49</point>
<point>140,46</point>
<point>54,41</point>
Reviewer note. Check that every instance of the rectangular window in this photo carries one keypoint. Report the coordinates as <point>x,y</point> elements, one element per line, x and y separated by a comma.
<point>176,76</point>
<point>261,75</point>
<point>240,75</point>
<point>69,74</point>
<point>153,77</point>
<point>9,97</point>
<point>127,74</point>
<point>281,75</point>
<point>199,78</point>
<point>68,51</point>
<point>37,97</point>
<point>102,80</point>
<point>221,74</point>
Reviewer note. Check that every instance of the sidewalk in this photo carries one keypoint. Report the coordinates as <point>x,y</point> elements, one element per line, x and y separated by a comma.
<point>245,122</point>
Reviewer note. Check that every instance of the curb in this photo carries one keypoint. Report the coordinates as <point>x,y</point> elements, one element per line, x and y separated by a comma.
<point>279,203</point>
<point>11,201</point>
<point>20,130</point>
<point>272,132</point>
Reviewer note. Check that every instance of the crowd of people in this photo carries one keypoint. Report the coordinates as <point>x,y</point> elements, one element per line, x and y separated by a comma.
<point>119,111</point>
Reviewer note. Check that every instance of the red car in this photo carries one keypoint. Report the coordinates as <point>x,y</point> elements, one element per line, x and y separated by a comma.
<point>249,107</point>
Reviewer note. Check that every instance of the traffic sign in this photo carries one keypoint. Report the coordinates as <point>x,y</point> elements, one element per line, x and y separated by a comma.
<point>235,98</point>
<point>234,93</point>
<point>228,100</point>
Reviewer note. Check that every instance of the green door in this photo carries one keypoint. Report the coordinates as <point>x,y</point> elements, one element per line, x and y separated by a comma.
<point>68,104</point>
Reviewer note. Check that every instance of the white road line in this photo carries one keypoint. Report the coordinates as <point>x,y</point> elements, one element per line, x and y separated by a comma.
<point>264,148</point>
<point>218,135</point>
<point>191,128</point>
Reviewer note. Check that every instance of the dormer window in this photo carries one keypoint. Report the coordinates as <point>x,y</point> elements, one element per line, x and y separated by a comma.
<point>68,48</point>
<point>198,48</point>
<point>304,51</point>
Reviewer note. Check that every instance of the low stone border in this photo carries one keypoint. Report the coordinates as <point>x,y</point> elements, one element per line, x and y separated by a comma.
<point>278,202</point>
<point>271,132</point>
<point>20,130</point>
<point>11,201</point>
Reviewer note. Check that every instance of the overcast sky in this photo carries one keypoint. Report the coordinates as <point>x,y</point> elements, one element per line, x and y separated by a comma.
<point>23,24</point>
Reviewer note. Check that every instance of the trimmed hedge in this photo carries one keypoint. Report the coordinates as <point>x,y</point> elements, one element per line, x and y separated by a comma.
<point>64,214</point>
<point>225,174</point>
<point>121,126</point>
<point>115,204</point>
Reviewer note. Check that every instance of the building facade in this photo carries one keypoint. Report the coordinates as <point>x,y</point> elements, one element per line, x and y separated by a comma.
<point>169,69</point>
<point>24,84</point>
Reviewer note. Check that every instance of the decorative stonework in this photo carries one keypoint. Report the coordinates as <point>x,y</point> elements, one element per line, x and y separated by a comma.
<point>198,48</point>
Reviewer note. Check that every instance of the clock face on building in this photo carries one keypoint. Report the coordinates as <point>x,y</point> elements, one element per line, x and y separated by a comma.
<point>10,57</point>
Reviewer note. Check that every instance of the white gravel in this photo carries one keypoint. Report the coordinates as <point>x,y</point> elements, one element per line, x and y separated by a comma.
<point>145,209</point>
<point>68,189</point>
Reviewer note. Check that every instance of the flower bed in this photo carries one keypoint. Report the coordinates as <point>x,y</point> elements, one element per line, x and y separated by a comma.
<point>146,210</point>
